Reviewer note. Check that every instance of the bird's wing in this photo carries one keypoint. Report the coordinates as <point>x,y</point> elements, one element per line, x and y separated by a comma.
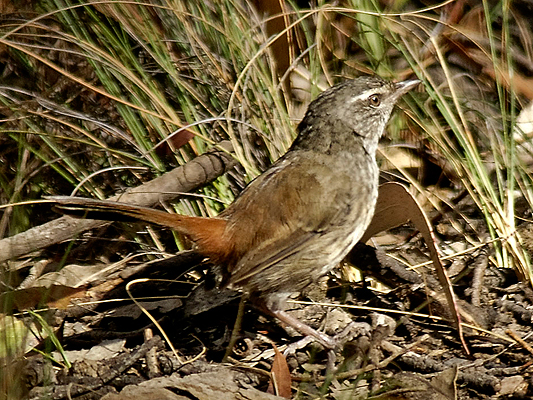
<point>269,255</point>
<point>284,211</point>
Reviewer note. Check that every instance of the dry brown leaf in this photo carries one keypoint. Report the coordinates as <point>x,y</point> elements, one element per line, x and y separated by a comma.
<point>446,382</point>
<point>396,206</point>
<point>56,296</point>
<point>280,382</point>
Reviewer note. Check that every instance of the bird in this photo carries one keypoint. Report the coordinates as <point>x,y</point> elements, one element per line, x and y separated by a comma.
<point>297,220</point>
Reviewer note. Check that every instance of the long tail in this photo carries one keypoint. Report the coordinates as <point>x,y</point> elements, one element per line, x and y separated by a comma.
<point>197,228</point>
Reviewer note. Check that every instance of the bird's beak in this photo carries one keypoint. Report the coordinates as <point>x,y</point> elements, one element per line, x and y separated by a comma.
<point>405,86</point>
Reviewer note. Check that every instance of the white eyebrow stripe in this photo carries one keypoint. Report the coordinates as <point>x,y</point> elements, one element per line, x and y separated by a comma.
<point>363,95</point>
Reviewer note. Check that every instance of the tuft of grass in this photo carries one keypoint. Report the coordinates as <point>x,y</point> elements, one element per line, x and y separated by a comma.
<point>475,130</point>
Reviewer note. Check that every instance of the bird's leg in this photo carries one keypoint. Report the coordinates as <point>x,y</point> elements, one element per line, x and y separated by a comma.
<point>329,343</point>
<point>274,304</point>
<point>325,340</point>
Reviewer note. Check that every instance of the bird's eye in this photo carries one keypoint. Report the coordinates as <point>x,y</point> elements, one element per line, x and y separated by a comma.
<point>374,100</point>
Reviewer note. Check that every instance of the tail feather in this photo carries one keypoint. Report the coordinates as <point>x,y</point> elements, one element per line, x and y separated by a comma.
<point>197,228</point>
<point>105,210</point>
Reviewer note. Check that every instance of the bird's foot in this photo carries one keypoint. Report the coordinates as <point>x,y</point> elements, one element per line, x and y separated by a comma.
<point>333,343</point>
<point>330,343</point>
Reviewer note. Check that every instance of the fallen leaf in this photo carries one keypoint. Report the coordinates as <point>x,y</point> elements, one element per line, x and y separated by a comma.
<point>396,206</point>
<point>280,382</point>
<point>56,296</point>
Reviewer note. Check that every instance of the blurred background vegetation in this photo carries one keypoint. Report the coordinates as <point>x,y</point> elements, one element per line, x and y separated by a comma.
<point>96,97</point>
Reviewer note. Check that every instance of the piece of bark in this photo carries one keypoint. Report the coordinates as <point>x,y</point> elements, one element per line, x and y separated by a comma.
<point>219,383</point>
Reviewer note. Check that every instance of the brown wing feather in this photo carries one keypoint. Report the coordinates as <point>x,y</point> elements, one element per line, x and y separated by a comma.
<point>261,223</point>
